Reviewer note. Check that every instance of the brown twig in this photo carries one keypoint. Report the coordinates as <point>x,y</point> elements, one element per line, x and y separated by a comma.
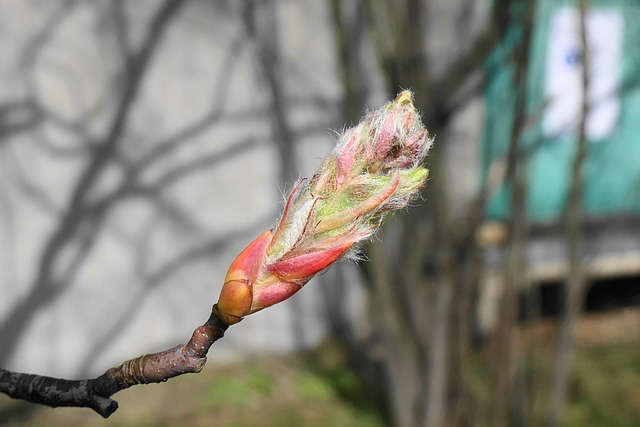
<point>96,393</point>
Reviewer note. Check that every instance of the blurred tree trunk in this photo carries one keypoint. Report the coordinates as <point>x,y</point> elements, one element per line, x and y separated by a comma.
<point>576,282</point>
<point>420,295</point>
<point>509,399</point>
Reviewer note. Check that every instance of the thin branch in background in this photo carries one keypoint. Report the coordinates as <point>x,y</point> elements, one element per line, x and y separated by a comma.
<point>399,358</point>
<point>506,402</point>
<point>575,284</point>
<point>348,27</point>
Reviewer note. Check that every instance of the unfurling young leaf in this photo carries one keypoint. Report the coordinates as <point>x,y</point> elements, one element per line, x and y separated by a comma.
<point>375,168</point>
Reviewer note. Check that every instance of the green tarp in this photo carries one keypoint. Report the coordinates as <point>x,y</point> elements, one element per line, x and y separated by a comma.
<point>612,168</point>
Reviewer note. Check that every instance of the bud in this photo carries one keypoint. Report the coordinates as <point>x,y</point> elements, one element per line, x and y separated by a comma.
<point>374,168</point>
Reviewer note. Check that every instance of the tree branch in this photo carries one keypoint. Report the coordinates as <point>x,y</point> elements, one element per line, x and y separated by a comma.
<point>95,393</point>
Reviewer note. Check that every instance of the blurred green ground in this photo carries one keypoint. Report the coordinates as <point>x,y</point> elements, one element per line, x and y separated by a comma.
<point>317,389</point>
